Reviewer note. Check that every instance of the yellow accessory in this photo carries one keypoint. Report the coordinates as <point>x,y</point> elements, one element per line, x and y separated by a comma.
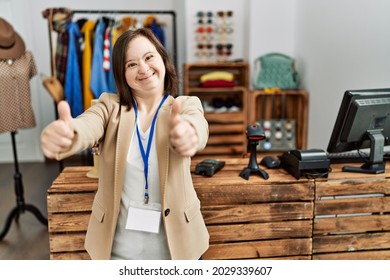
<point>217,75</point>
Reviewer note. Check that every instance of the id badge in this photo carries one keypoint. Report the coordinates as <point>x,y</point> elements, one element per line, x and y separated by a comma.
<point>144,217</point>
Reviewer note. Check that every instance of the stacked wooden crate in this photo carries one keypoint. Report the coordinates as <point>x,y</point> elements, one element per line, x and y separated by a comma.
<point>265,105</point>
<point>69,203</point>
<point>227,129</point>
<point>352,216</point>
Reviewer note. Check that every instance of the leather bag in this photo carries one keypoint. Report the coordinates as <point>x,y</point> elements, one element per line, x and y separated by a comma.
<point>54,87</point>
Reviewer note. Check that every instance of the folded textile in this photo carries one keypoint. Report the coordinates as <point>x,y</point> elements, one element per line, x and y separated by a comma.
<point>217,75</point>
<point>218,83</point>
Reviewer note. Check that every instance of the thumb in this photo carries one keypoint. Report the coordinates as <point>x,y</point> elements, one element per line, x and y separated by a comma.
<point>175,112</point>
<point>64,112</point>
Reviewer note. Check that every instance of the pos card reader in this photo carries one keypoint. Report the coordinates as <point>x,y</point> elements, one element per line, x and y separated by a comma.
<point>310,163</point>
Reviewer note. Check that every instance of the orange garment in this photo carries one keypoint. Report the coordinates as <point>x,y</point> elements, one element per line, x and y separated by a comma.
<point>127,23</point>
<point>149,21</point>
<point>87,30</point>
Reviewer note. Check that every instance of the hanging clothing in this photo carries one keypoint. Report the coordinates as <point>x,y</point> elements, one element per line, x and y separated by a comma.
<point>126,23</point>
<point>115,33</point>
<point>158,31</point>
<point>15,100</point>
<point>87,30</point>
<point>106,50</point>
<point>98,76</point>
<point>61,18</point>
<point>152,23</point>
<point>110,73</point>
<point>73,92</point>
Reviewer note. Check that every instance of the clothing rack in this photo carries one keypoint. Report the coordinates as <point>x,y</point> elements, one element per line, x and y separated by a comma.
<point>115,12</point>
<point>135,12</point>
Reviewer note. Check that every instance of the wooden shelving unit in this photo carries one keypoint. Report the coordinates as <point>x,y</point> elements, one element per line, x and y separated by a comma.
<point>227,129</point>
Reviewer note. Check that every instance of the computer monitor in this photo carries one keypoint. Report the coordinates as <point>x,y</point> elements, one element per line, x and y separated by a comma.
<point>363,121</point>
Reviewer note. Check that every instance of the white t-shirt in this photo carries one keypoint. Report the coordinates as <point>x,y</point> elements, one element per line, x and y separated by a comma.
<point>132,244</point>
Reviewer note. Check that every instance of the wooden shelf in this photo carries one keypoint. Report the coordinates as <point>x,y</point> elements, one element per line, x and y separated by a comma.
<point>227,129</point>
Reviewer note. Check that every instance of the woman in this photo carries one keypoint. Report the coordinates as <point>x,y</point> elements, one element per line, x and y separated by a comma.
<point>142,132</point>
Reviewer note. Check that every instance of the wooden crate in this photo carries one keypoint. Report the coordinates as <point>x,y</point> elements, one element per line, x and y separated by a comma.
<point>266,105</point>
<point>227,129</point>
<point>256,218</point>
<point>69,203</point>
<point>352,216</point>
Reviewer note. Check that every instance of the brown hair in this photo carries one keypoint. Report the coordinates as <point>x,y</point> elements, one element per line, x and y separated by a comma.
<point>119,61</point>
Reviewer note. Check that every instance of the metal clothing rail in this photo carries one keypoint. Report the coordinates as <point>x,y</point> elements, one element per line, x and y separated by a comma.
<point>172,13</point>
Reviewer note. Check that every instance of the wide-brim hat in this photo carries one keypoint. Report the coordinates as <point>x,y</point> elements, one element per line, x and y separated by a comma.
<point>11,44</point>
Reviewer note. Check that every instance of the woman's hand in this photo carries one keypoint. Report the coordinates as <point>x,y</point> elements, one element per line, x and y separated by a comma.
<point>182,135</point>
<point>57,136</point>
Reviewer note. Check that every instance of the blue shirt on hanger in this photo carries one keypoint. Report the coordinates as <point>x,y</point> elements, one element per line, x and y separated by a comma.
<point>73,92</point>
<point>158,32</point>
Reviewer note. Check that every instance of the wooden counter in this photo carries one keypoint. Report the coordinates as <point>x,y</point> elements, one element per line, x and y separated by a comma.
<point>345,216</point>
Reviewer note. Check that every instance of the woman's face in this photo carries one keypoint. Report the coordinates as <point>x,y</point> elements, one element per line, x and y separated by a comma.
<point>145,69</point>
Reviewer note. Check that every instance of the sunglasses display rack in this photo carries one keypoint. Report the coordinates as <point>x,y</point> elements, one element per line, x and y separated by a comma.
<point>213,36</point>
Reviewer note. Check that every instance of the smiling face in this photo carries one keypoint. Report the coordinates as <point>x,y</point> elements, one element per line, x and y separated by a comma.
<point>144,68</point>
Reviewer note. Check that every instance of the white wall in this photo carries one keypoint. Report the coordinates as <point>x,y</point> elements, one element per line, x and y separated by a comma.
<point>340,45</point>
<point>271,29</point>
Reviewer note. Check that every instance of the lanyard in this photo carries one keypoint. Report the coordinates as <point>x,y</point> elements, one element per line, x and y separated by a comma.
<point>145,155</point>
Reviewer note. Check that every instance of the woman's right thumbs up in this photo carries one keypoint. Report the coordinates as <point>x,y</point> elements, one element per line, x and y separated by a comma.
<point>57,136</point>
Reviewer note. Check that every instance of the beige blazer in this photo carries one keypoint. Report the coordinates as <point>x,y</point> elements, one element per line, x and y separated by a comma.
<point>112,126</point>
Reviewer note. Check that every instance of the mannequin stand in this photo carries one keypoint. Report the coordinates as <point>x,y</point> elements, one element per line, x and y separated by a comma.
<point>21,207</point>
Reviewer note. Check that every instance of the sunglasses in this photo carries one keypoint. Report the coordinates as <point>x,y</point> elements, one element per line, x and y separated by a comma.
<point>204,37</point>
<point>204,46</point>
<point>208,21</point>
<point>223,14</point>
<point>202,29</point>
<point>224,49</point>
<point>224,29</point>
<point>222,46</point>
<point>204,53</point>
<point>201,14</point>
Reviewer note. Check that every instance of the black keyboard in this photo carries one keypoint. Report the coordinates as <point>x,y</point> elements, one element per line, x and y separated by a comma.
<point>352,156</point>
